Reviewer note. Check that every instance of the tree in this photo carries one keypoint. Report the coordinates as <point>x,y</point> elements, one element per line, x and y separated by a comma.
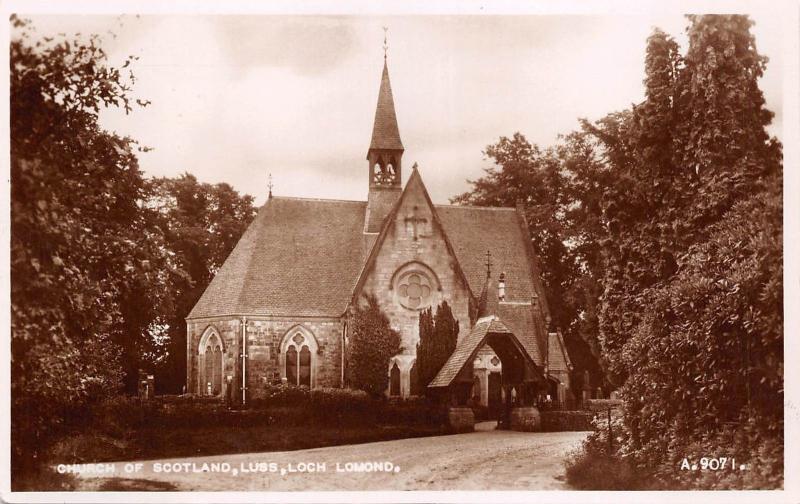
<point>371,345</point>
<point>690,319</point>
<point>201,224</point>
<point>438,336</point>
<point>670,183</point>
<point>79,240</point>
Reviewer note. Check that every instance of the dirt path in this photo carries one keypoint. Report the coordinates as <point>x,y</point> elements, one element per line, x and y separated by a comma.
<point>491,460</point>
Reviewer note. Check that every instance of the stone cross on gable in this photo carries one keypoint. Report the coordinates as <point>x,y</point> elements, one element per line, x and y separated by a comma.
<point>414,220</point>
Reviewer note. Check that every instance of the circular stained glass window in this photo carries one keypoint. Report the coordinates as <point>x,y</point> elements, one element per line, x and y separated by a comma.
<point>414,290</point>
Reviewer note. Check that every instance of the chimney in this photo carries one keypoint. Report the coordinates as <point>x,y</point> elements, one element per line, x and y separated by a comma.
<point>501,287</point>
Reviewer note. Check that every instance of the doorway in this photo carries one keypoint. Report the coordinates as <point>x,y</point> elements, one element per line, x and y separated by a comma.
<point>495,396</point>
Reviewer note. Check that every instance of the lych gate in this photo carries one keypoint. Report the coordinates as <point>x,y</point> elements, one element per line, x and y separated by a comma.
<point>520,379</point>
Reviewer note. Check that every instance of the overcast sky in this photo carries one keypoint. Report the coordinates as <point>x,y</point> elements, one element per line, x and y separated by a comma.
<point>235,98</point>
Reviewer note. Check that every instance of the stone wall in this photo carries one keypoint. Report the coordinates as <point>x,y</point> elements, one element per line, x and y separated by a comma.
<point>413,242</point>
<point>265,362</point>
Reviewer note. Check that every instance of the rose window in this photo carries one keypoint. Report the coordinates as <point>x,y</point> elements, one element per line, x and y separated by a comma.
<point>414,290</point>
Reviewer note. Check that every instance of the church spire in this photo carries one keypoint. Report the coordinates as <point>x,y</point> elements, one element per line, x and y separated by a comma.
<point>385,147</point>
<point>384,156</point>
<point>385,133</point>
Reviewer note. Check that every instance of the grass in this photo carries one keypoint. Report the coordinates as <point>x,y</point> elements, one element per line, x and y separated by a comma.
<point>175,442</point>
<point>193,441</point>
<point>160,443</point>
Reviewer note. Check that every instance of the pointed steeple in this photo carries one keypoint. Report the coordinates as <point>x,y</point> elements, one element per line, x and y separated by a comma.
<point>384,157</point>
<point>385,133</point>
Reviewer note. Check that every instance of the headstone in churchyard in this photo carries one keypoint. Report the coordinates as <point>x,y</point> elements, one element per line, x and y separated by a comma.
<point>146,388</point>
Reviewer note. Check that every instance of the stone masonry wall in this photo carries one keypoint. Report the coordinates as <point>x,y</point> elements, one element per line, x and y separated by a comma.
<point>264,338</point>
<point>429,249</point>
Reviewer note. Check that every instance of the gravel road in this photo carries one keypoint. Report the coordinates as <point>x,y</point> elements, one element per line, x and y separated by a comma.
<point>487,460</point>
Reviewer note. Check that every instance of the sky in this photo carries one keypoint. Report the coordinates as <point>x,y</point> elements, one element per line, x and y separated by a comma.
<point>235,98</point>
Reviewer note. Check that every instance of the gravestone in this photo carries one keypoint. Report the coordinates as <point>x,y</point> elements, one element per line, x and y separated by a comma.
<point>146,389</point>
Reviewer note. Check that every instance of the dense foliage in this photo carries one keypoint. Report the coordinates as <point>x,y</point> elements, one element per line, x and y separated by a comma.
<point>101,258</point>
<point>667,252</point>
<point>80,241</point>
<point>371,344</point>
<point>438,336</point>
<point>691,320</point>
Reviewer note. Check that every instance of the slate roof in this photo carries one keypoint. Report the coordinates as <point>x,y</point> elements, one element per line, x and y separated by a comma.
<point>520,319</point>
<point>474,230</point>
<point>299,257</point>
<point>468,347</point>
<point>461,355</point>
<point>559,358</point>
<point>295,243</point>
<point>385,133</point>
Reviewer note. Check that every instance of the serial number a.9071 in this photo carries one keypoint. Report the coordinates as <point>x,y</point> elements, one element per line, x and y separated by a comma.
<point>712,464</point>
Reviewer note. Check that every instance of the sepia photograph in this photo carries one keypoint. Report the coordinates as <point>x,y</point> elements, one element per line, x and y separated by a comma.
<point>434,254</point>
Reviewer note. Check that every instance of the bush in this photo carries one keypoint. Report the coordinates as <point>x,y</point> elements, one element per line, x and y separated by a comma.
<point>343,405</point>
<point>602,404</point>
<point>117,415</point>
<point>621,464</point>
<point>414,410</point>
<point>372,344</point>
<point>594,471</point>
<point>284,395</point>
<point>561,421</point>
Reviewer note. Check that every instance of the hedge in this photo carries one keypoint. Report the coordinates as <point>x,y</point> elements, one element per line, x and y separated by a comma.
<point>557,421</point>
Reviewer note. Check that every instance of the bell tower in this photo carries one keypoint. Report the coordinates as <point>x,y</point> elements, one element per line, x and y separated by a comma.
<point>384,155</point>
<point>385,149</point>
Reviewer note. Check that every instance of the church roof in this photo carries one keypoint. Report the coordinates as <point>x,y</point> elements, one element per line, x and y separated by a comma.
<point>303,257</point>
<point>520,319</point>
<point>474,230</point>
<point>385,133</point>
<point>559,358</point>
<point>299,257</point>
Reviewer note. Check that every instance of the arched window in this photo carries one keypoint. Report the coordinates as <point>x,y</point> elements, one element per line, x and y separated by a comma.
<point>305,366</point>
<point>413,378</point>
<point>394,381</point>
<point>299,352</point>
<point>211,352</point>
<point>291,365</point>
<point>216,371</point>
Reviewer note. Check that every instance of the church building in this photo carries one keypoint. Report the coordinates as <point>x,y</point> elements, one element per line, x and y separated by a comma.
<point>277,310</point>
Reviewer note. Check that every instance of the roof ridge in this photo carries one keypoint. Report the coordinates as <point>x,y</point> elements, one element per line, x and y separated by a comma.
<point>476,207</point>
<point>326,200</point>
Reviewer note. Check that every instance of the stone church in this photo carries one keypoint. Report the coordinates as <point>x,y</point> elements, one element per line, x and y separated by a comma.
<point>277,310</point>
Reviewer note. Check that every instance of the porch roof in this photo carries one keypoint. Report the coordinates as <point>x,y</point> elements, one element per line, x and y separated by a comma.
<point>469,346</point>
